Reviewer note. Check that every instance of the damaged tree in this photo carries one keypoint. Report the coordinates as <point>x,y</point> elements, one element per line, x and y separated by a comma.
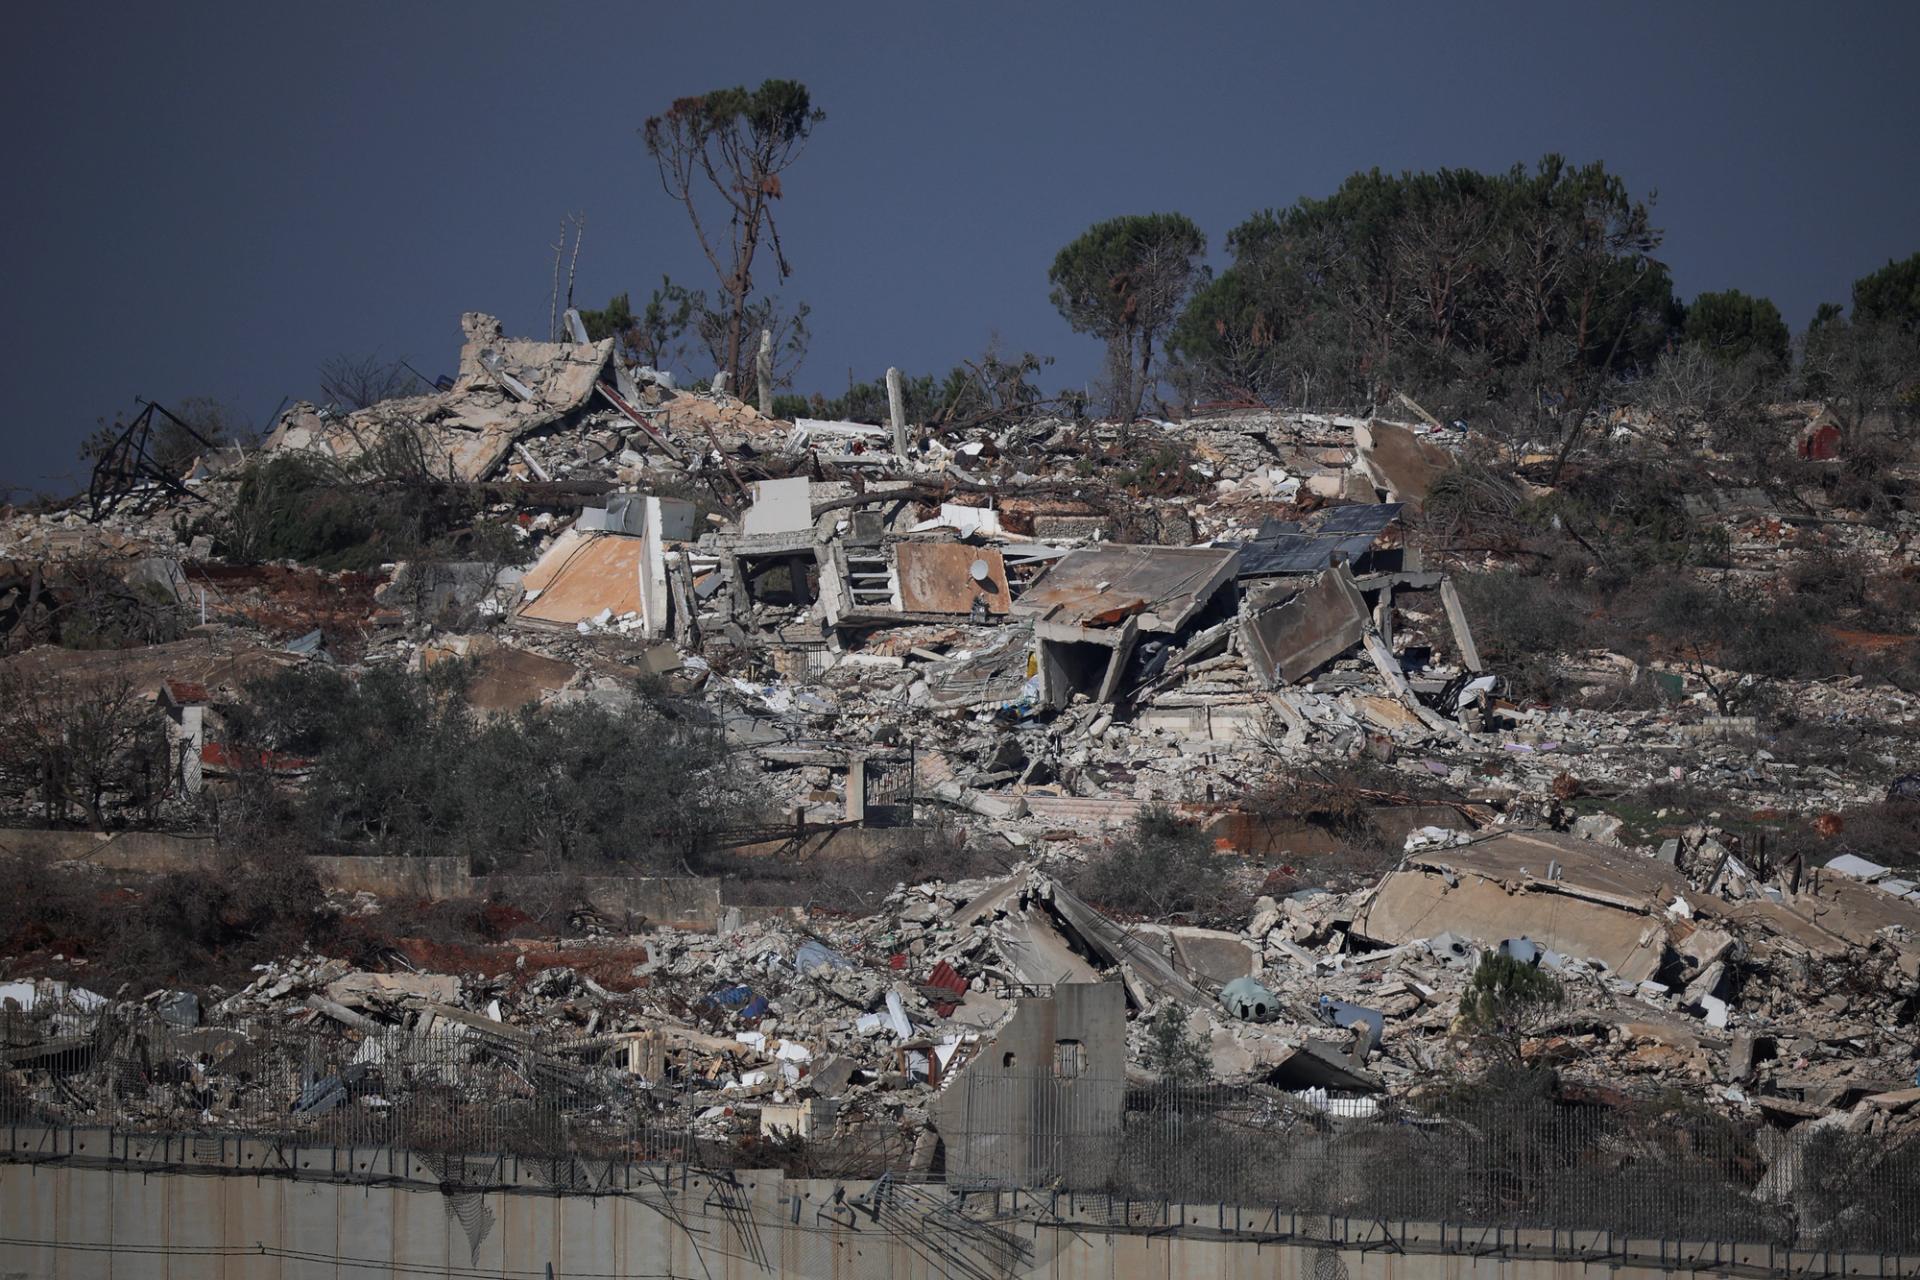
<point>736,142</point>
<point>1123,281</point>
<point>76,745</point>
<point>358,382</point>
<point>1506,1001</point>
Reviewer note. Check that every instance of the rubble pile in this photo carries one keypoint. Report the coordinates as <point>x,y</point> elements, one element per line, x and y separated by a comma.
<point>983,623</point>
<point>1783,1009</point>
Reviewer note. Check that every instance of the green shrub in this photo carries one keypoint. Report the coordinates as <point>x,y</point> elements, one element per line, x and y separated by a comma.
<point>1161,865</point>
<point>1505,1000</point>
<point>1516,615</point>
<point>355,515</point>
<point>1174,1054</point>
<point>405,763</point>
<point>1778,638</point>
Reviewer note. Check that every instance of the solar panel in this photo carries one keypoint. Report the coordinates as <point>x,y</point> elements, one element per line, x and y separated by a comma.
<point>1360,518</point>
<point>1287,553</point>
<point>1346,533</point>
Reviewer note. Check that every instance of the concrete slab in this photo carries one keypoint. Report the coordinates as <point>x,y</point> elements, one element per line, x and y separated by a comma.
<point>947,577</point>
<point>1293,640</point>
<point>779,506</point>
<point>1099,588</point>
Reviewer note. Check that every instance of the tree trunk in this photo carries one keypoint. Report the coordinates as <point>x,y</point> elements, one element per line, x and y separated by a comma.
<point>1140,384</point>
<point>1578,422</point>
<point>736,320</point>
<point>1120,378</point>
<point>741,287</point>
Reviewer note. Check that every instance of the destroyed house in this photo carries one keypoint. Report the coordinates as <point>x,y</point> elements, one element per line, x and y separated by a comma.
<point>631,561</point>
<point>508,389</point>
<point>1586,901</point>
<point>881,582</point>
<point>1097,608</point>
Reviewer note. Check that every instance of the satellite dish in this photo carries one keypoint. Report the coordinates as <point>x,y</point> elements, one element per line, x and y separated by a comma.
<point>980,571</point>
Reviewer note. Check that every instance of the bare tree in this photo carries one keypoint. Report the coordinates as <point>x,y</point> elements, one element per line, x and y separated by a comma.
<point>733,144</point>
<point>791,334</point>
<point>1867,372</point>
<point>354,382</point>
<point>577,223</point>
<point>1687,385</point>
<point>75,745</point>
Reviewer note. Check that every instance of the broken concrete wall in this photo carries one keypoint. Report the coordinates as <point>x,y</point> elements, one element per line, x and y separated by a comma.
<point>1291,641</point>
<point>1096,588</point>
<point>664,522</point>
<point>627,903</point>
<point>507,389</point>
<point>1045,1096</point>
<point>949,577</point>
<point>680,902</point>
<point>121,851</point>
<point>1146,964</point>
<point>779,506</point>
<point>1398,462</point>
<point>158,852</point>
<point>1583,900</point>
<point>585,576</point>
<point>435,879</point>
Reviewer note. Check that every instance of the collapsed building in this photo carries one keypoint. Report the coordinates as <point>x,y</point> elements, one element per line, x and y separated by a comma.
<point>887,619</point>
<point>979,1031</point>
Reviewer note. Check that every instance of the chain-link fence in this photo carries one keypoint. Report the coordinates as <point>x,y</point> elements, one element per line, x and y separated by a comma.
<point>462,1090</point>
<point>465,1088</point>
<point>1657,1169</point>
<point>1661,1169</point>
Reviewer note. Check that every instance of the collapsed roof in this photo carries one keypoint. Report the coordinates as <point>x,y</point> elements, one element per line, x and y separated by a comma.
<point>507,388</point>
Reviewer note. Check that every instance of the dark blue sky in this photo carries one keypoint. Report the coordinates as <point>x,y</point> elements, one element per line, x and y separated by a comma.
<point>209,199</point>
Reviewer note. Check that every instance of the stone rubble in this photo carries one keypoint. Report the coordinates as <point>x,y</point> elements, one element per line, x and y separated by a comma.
<point>787,602</point>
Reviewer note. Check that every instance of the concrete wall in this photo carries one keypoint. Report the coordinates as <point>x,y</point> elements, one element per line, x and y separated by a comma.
<point>435,879</point>
<point>847,844</point>
<point>682,902</point>
<point>1038,1103</point>
<point>678,902</point>
<point>100,1205</point>
<point>121,851</point>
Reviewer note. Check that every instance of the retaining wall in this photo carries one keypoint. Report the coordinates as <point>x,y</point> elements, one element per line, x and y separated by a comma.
<point>681,902</point>
<point>91,1203</point>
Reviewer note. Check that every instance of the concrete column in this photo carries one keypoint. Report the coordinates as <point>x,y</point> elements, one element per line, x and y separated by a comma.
<point>857,789</point>
<point>1462,633</point>
<point>763,372</point>
<point>897,409</point>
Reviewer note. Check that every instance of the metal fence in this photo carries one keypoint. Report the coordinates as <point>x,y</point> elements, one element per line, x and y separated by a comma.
<point>459,1092</point>
<point>462,1091</point>
<point>1648,1168</point>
